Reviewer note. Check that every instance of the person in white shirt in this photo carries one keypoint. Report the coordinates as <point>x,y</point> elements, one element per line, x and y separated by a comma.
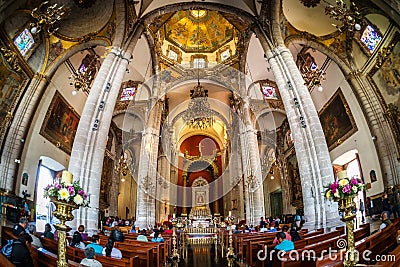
<point>110,251</point>
<point>89,260</point>
<point>35,240</point>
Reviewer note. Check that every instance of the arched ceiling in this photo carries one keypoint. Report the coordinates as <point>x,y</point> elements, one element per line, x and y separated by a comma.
<point>82,21</point>
<point>147,6</point>
<point>310,19</point>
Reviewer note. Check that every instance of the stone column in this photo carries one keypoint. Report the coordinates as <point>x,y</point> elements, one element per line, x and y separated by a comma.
<point>148,168</point>
<point>18,131</point>
<point>309,141</point>
<point>379,126</point>
<point>89,146</point>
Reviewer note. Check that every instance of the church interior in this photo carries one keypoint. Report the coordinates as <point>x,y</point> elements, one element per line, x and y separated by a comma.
<point>219,120</point>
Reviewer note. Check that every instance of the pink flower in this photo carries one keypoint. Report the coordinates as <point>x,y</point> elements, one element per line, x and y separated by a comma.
<point>354,181</point>
<point>334,186</point>
<point>71,190</point>
<point>346,189</point>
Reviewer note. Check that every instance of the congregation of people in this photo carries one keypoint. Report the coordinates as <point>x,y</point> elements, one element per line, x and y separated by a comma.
<point>287,231</point>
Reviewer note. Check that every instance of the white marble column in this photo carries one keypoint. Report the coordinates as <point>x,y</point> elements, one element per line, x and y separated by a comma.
<point>89,146</point>
<point>18,131</point>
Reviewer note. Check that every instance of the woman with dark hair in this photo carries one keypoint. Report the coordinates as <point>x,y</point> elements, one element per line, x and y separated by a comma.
<point>77,241</point>
<point>47,231</point>
<point>294,234</point>
<point>110,251</point>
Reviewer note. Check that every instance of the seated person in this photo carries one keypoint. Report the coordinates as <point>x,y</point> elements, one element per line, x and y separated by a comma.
<point>81,230</point>
<point>47,231</point>
<point>385,221</point>
<point>117,235</point>
<point>35,240</point>
<point>133,229</point>
<point>284,244</point>
<point>288,236</point>
<point>157,237</point>
<point>142,236</point>
<point>20,255</point>
<point>20,227</point>
<point>95,244</point>
<point>110,251</point>
<point>294,234</point>
<point>169,230</point>
<point>77,241</point>
<point>89,260</point>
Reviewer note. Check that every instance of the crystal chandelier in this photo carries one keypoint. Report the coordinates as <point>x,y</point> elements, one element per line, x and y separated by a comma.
<point>46,16</point>
<point>199,115</point>
<point>82,78</point>
<point>313,77</point>
<point>310,3</point>
<point>348,16</point>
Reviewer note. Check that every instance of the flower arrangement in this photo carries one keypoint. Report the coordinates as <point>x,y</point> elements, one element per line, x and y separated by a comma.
<point>343,188</point>
<point>67,192</point>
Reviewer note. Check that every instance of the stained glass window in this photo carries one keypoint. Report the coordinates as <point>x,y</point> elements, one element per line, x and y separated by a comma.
<point>370,38</point>
<point>128,93</point>
<point>225,55</point>
<point>199,63</point>
<point>24,41</point>
<point>269,92</point>
<point>173,55</point>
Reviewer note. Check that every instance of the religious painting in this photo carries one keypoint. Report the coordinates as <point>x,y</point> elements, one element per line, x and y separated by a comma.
<point>385,76</point>
<point>293,173</point>
<point>200,198</point>
<point>336,120</point>
<point>60,123</point>
<point>24,179</point>
<point>372,176</point>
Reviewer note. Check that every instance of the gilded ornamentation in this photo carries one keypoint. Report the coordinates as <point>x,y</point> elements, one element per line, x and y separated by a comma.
<point>11,58</point>
<point>383,55</point>
<point>64,214</point>
<point>347,205</point>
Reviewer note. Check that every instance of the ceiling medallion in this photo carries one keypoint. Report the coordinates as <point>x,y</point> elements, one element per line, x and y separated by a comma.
<point>310,3</point>
<point>84,3</point>
<point>199,114</point>
<point>198,14</point>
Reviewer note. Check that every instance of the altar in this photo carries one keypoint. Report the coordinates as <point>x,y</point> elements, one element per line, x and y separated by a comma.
<point>200,224</point>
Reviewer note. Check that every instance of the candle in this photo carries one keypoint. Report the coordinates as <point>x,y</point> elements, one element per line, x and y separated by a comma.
<point>342,174</point>
<point>230,213</point>
<point>66,177</point>
<point>173,215</point>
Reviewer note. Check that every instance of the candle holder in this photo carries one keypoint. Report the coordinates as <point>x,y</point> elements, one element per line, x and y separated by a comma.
<point>347,205</point>
<point>67,196</point>
<point>64,214</point>
<point>230,255</point>
<point>343,191</point>
<point>175,254</point>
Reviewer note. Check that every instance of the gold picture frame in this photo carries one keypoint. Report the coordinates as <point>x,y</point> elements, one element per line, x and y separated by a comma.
<point>337,121</point>
<point>60,124</point>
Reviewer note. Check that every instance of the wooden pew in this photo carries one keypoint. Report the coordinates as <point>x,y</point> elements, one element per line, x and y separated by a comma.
<point>49,259</point>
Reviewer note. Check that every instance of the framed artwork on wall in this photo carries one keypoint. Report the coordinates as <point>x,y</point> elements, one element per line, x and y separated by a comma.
<point>336,120</point>
<point>60,124</point>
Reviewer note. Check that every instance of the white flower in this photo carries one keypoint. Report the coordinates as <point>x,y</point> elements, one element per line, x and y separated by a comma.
<point>336,194</point>
<point>78,199</point>
<point>63,194</point>
<point>343,182</point>
<point>355,189</point>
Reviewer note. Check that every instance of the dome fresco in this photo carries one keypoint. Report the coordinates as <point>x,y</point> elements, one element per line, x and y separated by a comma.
<point>198,30</point>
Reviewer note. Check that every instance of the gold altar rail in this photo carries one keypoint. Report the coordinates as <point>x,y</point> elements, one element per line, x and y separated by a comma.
<point>202,240</point>
<point>201,230</point>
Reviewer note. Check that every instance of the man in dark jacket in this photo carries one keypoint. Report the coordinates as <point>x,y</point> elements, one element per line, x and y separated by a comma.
<point>20,227</point>
<point>21,256</point>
